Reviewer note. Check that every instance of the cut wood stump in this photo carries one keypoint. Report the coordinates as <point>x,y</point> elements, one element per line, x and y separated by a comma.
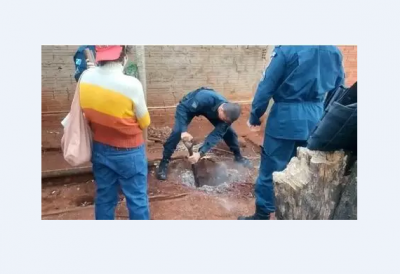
<point>311,186</point>
<point>347,207</point>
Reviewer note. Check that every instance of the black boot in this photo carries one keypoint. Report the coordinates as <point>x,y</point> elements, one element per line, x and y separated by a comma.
<point>243,161</point>
<point>162,170</point>
<point>256,216</point>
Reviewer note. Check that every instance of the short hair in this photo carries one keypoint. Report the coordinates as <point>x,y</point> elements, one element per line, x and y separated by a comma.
<point>231,111</point>
<point>125,51</point>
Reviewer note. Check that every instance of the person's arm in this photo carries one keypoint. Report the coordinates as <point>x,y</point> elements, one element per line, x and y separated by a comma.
<point>141,111</point>
<point>213,138</point>
<point>339,82</point>
<point>267,87</point>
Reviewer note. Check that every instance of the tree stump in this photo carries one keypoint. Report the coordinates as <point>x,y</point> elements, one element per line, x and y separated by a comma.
<point>311,186</point>
<point>347,208</point>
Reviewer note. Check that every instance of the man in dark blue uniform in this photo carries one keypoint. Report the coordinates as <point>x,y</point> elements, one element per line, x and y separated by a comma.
<point>218,111</point>
<point>297,78</point>
<point>80,60</point>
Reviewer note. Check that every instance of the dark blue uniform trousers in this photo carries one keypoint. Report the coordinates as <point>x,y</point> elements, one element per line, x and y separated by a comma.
<point>182,120</point>
<point>275,156</point>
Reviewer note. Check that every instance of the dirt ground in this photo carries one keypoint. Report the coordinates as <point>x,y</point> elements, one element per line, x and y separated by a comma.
<point>225,193</point>
<point>168,201</point>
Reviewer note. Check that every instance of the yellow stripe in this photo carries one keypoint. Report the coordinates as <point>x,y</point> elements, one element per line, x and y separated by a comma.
<point>105,101</point>
<point>144,121</point>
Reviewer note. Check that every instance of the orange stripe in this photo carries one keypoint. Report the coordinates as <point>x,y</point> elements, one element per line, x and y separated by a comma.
<point>115,138</point>
<point>118,132</point>
<point>110,121</point>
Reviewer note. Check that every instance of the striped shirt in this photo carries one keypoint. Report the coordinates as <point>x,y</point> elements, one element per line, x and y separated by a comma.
<point>114,105</point>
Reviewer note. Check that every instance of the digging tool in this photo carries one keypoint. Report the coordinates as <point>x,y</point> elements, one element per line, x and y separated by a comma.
<point>189,146</point>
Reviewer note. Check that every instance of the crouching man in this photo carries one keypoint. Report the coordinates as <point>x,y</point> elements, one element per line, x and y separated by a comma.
<point>218,111</point>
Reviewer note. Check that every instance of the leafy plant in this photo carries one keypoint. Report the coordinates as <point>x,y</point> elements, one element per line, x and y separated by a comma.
<point>131,69</point>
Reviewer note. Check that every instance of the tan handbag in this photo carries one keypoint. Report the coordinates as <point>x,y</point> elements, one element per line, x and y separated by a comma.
<point>76,142</point>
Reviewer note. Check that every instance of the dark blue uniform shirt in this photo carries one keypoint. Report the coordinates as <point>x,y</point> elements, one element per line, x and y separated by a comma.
<point>297,79</point>
<point>205,102</point>
<point>80,60</point>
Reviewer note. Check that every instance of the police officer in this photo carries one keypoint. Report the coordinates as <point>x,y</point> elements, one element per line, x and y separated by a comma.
<point>80,60</point>
<point>218,111</point>
<point>297,78</point>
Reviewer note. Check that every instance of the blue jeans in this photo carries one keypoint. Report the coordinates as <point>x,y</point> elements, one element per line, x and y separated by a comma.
<point>127,168</point>
<point>275,156</point>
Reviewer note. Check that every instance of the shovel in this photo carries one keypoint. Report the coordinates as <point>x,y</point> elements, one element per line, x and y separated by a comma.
<point>189,146</point>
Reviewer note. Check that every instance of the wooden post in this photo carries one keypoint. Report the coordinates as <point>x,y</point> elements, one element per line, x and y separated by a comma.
<point>141,63</point>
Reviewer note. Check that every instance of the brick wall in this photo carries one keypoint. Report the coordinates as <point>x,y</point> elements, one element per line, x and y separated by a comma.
<point>174,70</point>
<point>171,72</point>
<point>58,82</point>
<point>350,63</point>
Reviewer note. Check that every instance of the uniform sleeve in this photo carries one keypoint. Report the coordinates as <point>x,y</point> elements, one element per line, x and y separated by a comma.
<point>183,125</point>
<point>340,81</point>
<point>141,111</point>
<point>214,137</point>
<point>267,87</point>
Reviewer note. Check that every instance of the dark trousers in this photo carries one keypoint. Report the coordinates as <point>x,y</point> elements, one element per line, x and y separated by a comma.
<point>183,120</point>
<point>275,156</point>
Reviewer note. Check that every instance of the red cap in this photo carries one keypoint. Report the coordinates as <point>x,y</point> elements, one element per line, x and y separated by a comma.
<point>108,53</point>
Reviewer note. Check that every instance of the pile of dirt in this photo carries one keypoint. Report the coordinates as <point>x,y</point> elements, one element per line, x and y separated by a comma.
<point>161,133</point>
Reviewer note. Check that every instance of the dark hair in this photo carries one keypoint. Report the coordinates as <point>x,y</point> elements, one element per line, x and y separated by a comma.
<point>231,111</point>
<point>125,51</point>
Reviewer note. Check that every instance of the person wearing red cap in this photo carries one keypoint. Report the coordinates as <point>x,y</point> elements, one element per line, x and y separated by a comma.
<point>115,108</point>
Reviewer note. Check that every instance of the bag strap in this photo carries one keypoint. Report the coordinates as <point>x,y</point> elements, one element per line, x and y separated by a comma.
<point>77,91</point>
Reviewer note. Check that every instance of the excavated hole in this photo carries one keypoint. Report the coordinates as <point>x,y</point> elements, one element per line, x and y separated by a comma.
<point>211,174</point>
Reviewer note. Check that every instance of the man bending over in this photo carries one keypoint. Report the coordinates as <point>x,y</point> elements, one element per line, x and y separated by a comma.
<point>218,111</point>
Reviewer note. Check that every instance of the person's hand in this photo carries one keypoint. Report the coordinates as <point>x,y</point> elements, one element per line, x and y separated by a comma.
<point>185,136</point>
<point>272,216</point>
<point>253,128</point>
<point>89,64</point>
<point>194,158</point>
